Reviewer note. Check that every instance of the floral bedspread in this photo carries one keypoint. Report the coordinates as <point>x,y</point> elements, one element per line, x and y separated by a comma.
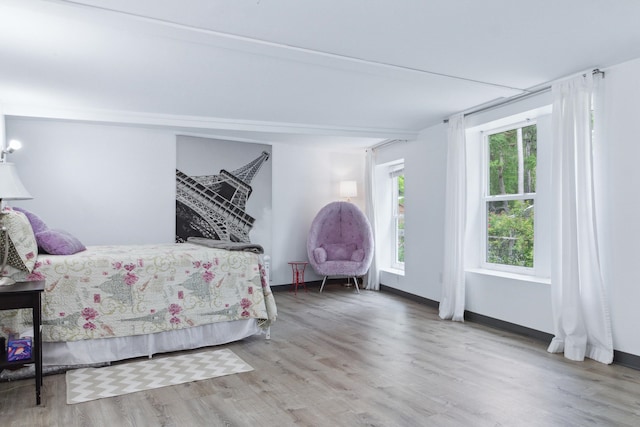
<point>114,291</point>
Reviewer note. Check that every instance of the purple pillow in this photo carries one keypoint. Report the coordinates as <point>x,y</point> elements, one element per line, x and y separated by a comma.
<point>37,224</point>
<point>320,254</point>
<point>357,255</point>
<point>339,251</point>
<point>58,242</point>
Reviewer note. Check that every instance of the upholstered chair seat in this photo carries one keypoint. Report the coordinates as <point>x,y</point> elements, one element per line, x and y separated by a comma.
<point>340,242</point>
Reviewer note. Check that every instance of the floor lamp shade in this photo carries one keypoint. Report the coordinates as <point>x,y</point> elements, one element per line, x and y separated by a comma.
<point>348,189</point>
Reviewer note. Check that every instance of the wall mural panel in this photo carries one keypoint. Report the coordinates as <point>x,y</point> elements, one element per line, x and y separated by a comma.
<point>223,190</point>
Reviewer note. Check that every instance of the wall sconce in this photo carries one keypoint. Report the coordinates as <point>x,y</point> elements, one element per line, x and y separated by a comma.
<point>13,145</point>
<point>348,189</point>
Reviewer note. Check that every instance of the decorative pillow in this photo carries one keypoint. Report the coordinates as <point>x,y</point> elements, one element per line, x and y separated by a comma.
<point>320,255</point>
<point>37,224</point>
<point>23,248</point>
<point>357,255</point>
<point>339,251</point>
<point>59,242</point>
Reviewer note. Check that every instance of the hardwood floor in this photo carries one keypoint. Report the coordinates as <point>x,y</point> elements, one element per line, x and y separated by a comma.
<point>375,359</point>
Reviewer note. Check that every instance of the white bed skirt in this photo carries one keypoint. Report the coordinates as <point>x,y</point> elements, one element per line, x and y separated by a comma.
<point>85,352</point>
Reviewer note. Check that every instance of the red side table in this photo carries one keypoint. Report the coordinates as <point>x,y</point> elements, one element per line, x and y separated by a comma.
<point>297,267</point>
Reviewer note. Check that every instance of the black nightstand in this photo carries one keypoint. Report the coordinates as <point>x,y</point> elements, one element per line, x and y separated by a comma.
<point>26,295</point>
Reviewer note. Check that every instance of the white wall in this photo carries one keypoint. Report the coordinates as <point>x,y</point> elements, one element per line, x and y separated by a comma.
<point>424,171</point>
<point>104,184</point>
<point>619,175</point>
<point>111,184</point>
<point>424,212</point>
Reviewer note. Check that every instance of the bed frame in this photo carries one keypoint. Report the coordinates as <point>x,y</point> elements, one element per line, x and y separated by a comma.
<point>111,303</point>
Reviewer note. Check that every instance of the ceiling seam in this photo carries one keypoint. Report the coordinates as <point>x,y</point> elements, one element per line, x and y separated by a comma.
<point>253,40</point>
<point>201,122</point>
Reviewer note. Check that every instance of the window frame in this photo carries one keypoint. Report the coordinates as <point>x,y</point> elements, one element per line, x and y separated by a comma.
<point>486,198</point>
<point>394,172</point>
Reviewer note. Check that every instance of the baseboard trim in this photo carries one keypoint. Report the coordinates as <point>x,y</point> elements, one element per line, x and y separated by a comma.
<point>314,284</point>
<point>507,326</point>
<point>289,287</point>
<point>407,295</point>
<point>619,357</point>
<point>626,359</point>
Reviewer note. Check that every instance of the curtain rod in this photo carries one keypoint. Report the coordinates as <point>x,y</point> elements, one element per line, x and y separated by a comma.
<point>517,98</point>
<point>385,143</point>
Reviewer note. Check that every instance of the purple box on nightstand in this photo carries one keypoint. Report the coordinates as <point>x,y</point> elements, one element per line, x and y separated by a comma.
<point>18,348</point>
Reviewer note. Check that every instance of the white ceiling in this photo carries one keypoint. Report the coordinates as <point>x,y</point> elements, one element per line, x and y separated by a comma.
<point>318,72</point>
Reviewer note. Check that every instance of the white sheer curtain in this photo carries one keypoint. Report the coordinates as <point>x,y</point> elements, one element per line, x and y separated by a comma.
<point>580,306</point>
<point>453,286</point>
<point>373,276</point>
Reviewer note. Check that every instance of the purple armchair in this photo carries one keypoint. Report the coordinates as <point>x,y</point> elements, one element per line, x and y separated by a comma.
<point>340,242</point>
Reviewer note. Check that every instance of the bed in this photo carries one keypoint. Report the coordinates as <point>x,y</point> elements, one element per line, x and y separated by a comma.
<point>109,303</point>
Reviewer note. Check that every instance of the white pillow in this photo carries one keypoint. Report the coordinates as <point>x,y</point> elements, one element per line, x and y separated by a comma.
<point>23,248</point>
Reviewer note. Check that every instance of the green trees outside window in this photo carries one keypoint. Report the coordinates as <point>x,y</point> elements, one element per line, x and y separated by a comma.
<point>400,220</point>
<point>511,196</point>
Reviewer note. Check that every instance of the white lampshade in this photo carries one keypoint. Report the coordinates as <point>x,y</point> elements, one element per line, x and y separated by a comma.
<point>348,189</point>
<point>11,187</point>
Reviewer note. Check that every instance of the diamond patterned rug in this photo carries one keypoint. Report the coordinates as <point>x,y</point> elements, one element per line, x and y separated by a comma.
<point>96,383</point>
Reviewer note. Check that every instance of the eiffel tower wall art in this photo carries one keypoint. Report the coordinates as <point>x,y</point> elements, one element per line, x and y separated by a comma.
<point>223,190</point>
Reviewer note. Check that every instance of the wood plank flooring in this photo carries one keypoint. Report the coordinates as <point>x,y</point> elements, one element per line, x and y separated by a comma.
<point>374,359</point>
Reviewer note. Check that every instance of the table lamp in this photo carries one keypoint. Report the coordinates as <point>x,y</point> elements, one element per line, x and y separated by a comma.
<point>11,188</point>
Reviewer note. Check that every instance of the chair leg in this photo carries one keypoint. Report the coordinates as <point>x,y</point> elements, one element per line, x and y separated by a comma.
<point>323,281</point>
<point>355,280</point>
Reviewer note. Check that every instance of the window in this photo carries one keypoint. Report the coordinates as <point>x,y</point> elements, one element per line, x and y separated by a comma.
<point>397,215</point>
<point>509,197</point>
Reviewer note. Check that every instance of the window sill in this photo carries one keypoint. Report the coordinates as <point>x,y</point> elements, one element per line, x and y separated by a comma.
<point>508,275</point>
<point>391,270</point>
